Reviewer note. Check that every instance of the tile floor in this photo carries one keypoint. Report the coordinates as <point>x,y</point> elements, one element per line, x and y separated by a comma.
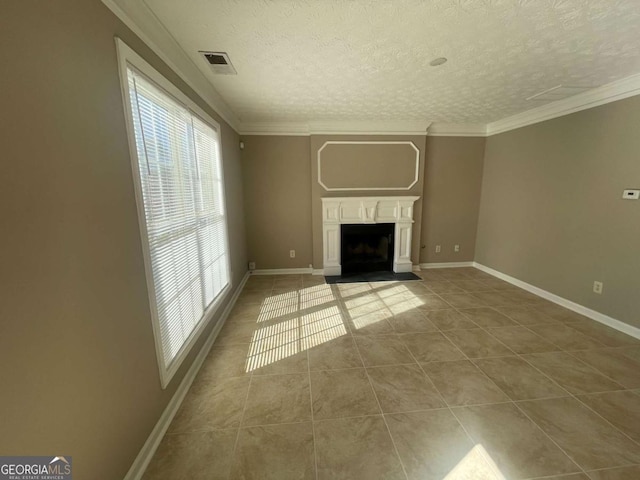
<point>457,376</point>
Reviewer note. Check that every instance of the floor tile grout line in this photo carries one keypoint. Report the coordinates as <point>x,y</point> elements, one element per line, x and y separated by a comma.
<point>550,438</point>
<point>444,400</point>
<point>448,406</point>
<point>575,397</point>
<point>590,321</point>
<point>509,348</point>
<point>516,354</point>
<point>631,465</point>
<point>553,343</point>
<point>244,408</point>
<point>367,415</point>
<point>492,464</point>
<point>468,359</point>
<point>313,428</point>
<point>520,356</point>
<point>259,425</point>
<point>471,358</point>
<point>515,404</point>
<point>554,477</point>
<point>375,395</point>
<point>571,352</point>
<point>570,394</point>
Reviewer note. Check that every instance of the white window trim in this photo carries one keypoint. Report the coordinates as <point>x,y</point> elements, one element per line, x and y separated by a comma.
<point>126,56</point>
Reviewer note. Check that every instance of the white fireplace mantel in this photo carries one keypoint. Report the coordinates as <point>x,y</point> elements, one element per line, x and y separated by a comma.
<point>337,211</point>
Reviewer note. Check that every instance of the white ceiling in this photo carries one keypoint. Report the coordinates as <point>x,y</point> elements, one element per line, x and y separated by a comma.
<point>362,60</point>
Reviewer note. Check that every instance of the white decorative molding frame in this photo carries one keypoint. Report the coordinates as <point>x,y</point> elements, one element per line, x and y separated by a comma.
<point>349,189</point>
<point>357,210</point>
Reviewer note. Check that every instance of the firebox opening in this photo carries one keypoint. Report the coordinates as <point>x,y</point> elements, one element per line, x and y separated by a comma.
<point>367,248</point>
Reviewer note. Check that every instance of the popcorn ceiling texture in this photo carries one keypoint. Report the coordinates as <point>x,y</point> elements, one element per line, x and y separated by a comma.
<point>310,60</point>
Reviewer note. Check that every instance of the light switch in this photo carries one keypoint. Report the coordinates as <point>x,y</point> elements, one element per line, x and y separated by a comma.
<point>631,194</point>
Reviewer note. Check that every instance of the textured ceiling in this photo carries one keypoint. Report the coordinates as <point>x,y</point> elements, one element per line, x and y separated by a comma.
<point>328,60</point>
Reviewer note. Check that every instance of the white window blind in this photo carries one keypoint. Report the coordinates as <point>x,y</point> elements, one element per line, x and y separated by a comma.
<point>184,214</point>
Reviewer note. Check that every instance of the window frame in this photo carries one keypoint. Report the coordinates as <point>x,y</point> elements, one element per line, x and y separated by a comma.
<point>128,57</point>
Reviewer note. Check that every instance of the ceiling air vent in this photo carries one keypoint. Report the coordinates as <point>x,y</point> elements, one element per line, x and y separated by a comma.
<point>219,63</point>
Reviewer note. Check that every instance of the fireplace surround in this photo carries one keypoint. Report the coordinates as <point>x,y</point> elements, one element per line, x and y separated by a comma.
<point>338,211</point>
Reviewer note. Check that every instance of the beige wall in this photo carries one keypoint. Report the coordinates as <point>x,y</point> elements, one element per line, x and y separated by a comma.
<point>277,189</point>
<point>552,212</point>
<point>77,359</point>
<point>280,178</point>
<point>317,192</point>
<point>453,177</point>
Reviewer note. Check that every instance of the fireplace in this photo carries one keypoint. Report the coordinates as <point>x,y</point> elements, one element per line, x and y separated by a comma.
<point>366,248</point>
<point>396,212</point>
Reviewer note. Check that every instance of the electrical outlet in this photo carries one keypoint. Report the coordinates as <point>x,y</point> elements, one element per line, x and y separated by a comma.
<point>252,265</point>
<point>631,194</point>
<point>292,253</point>
<point>438,248</point>
<point>456,248</point>
<point>597,287</point>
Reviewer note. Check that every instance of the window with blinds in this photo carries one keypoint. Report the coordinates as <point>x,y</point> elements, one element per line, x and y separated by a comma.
<point>180,182</point>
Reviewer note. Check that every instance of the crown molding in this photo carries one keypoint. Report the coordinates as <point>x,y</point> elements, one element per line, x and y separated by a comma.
<point>611,92</point>
<point>369,128</point>
<point>457,130</point>
<point>143,22</point>
<point>275,128</point>
<point>342,127</point>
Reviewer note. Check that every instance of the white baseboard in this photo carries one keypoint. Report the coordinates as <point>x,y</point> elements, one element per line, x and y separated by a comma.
<point>151,445</point>
<point>416,268</point>
<point>317,271</point>
<point>282,271</point>
<point>427,266</point>
<point>587,312</point>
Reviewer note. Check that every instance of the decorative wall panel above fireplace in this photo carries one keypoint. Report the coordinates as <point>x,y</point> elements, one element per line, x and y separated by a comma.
<point>368,165</point>
<point>360,210</point>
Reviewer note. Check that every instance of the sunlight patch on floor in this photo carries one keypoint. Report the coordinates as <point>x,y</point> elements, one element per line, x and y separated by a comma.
<point>399,299</point>
<point>273,343</point>
<point>303,318</point>
<point>321,327</point>
<point>404,304</point>
<point>361,301</point>
<point>476,465</point>
<point>278,306</point>
<point>390,292</point>
<point>315,296</point>
<point>297,325</point>
<point>369,319</point>
<point>347,290</point>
